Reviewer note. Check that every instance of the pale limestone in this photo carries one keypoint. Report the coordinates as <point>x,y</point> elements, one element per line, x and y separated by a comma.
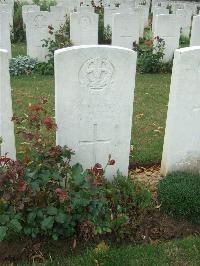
<point>167,27</point>
<point>5,42</point>
<point>181,144</point>
<point>125,30</point>
<point>36,31</point>
<point>195,32</point>
<point>94,104</point>
<point>84,28</point>
<point>6,114</point>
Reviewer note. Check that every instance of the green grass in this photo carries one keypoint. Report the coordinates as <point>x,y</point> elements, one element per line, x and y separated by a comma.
<point>179,252</point>
<point>18,49</point>
<point>150,108</point>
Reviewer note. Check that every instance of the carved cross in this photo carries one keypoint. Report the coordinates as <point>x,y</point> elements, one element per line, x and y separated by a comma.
<point>94,142</point>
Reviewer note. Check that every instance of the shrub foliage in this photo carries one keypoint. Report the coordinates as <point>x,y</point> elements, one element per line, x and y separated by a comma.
<point>150,56</point>
<point>43,195</point>
<point>179,195</point>
<point>22,65</point>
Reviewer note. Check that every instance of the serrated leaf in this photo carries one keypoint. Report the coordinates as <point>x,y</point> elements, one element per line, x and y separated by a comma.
<point>4,219</point>
<point>61,218</point>
<point>52,211</point>
<point>15,225</point>
<point>47,223</point>
<point>3,231</point>
<point>31,217</point>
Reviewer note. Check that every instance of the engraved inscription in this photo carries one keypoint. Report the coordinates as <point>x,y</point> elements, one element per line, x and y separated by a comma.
<point>40,21</point>
<point>94,142</point>
<point>85,23</point>
<point>96,73</point>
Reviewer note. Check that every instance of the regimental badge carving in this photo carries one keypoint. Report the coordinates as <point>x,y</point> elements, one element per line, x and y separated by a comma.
<point>40,21</point>
<point>96,74</point>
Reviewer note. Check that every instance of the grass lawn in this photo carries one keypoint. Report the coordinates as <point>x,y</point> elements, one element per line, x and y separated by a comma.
<point>150,107</point>
<point>179,252</point>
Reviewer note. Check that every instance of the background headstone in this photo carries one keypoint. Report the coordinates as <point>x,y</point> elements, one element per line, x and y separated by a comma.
<point>167,27</point>
<point>125,30</point>
<point>195,32</point>
<point>84,28</point>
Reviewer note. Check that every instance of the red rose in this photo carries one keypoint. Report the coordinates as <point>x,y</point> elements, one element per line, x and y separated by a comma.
<point>98,169</point>
<point>48,122</point>
<point>61,194</point>
<point>111,162</point>
<point>21,186</point>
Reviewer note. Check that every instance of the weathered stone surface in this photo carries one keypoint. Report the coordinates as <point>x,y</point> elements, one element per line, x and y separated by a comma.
<point>125,30</point>
<point>5,42</point>
<point>167,27</point>
<point>181,145</point>
<point>195,33</point>
<point>6,125</point>
<point>94,104</point>
<point>37,31</point>
<point>84,28</point>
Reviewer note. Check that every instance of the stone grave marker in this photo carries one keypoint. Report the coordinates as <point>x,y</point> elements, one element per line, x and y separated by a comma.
<point>94,104</point>
<point>167,27</point>
<point>5,42</point>
<point>6,125</point>
<point>125,30</point>
<point>195,32</point>
<point>84,28</point>
<point>182,134</point>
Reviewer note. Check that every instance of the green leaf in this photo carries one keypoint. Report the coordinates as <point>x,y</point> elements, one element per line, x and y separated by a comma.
<point>27,231</point>
<point>47,223</point>
<point>3,231</point>
<point>55,237</point>
<point>31,217</point>
<point>52,211</point>
<point>77,174</point>
<point>15,225</point>
<point>57,176</point>
<point>4,219</point>
<point>61,218</point>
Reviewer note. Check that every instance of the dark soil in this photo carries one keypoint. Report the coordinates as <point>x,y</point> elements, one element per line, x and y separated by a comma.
<point>154,227</point>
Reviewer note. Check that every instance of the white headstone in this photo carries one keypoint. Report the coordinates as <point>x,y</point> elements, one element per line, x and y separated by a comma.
<point>94,104</point>
<point>9,9</point>
<point>175,6</point>
<point>181,145</point>
<point>28,8</point>
<point>146,14</point>
<point>195,33</point>
<point>185,22</point>
<point>37,31</point>
<point>158,11</point>
<point>71,5</point>
<point>108,16</point>
<point>85,9</point>
<point>6,114</point>
<point>141,14</point>
<point>84,28</point>
<point>190,7</point>
<point>5,42</point>
<point>59,15</point>
<point>125,30</point>
<point>167,27</point>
